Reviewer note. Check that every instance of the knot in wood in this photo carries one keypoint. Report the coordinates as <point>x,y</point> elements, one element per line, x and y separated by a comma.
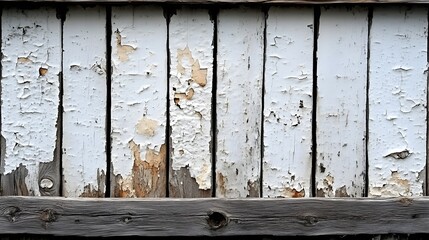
<point>216,220</point>
<point>11,213</point>
<point>48,215</point>
<point>310,220</point>
<point>46,183</point>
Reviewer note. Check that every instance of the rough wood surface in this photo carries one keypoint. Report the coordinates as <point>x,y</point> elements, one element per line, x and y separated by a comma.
<point>314,2</point>
<point>84,102</point>
<point>139,101</point>
<point>397,101</point>
<point>191,53</point>
<point>341,102</point>
<point>31,65</point>
<point>288,103</point>
<point>239,102</point>
<point>212,217</point>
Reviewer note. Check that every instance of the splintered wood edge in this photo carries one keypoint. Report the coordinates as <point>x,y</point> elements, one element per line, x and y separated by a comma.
<point>312,2</point>
<point>88,217</point>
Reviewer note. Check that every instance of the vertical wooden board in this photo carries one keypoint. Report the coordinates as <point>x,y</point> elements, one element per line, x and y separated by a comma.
<point>288,103</point>
<point>191,70</point>
<point>397,102</point>
<point>31,65</point>
<point>139,101</point>
<point>84,102</point>
<point>239,102</point>
<point>341,102</point>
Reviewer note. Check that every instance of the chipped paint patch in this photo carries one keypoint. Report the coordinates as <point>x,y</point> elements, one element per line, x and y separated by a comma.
<point>98,191</point>
<point>395,186</point>
<point>13,183</point>
<point>122,51</point>
<point>147,174</point>
<point>293,193</point>
<point>147,127</point>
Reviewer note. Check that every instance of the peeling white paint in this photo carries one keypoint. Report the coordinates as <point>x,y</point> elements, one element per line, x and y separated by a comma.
<point>84,99</point>
<point>341,101</point>
<point>239,102</point>
<point>31,47</point>
<point>139,86</point>
<point>191,53</point>
<point>288,103</point>
<point>398,87</point>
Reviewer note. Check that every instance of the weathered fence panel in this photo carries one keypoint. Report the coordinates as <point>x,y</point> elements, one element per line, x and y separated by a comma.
<point>30,97</point>
<point>341,102</point>
<point>139,102</point>
<point>191,78</point>
<point>288,103</point>
<point>84,102</point>
<point>239,102</point>
<point>398,102</point>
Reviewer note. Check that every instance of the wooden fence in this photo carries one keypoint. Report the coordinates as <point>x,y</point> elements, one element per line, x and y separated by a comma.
<point>170,101</point>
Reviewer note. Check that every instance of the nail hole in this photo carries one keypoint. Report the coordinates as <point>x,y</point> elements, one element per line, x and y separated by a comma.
<point>216,220</point>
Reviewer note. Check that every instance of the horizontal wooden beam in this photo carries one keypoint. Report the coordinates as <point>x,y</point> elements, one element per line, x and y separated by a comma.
<point>312,2</point>
<point>212,217</point>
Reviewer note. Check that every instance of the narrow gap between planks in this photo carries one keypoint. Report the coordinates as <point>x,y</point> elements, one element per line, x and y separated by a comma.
<point>314,112</point>
<point>366,190</point>
<point>61,13</point>
<point>167,14</point>
<point>426,185</point>
<point>108,99</point>
<point>261,174</point>
<point>214,13</point>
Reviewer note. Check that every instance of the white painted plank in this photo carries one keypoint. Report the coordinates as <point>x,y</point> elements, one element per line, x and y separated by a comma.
<point>191,75</point>
<point>341,102</point>
<point>31,65</point>
<point>139,101</point>
<point>397,98</point>
<point>239,102</point>
<point>288,103</point>
<point>84,102</point>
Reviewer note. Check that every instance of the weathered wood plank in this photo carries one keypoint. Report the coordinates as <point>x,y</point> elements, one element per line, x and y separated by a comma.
<point>239,102</point>
<point>84,102</point>
<point>341,102</point>
<point>288,103</point>
<point>139,102</point>
<point>31,65</point>
<point>397,101</point>
<point>314,2</point>
<point>212,217</point>
<point>191,53</point>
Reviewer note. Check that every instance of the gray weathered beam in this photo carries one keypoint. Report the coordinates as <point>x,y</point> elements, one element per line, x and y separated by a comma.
<point>212,217</point>
<point>313,2</point>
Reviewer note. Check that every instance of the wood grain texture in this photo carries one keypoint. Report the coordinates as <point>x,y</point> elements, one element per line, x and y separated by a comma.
<point>191,74</point>
<point>341,102</point>
<point>139,101</point>
<point>397,101</point>
<point>212,217</point>
<point>313,2</point>
<point>288,103</point>
<point>31,66</point>
<point>239,102</point>
<point>84,102</point>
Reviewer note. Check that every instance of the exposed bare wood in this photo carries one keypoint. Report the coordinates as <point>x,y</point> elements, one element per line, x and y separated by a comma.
<point>212,217</point>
